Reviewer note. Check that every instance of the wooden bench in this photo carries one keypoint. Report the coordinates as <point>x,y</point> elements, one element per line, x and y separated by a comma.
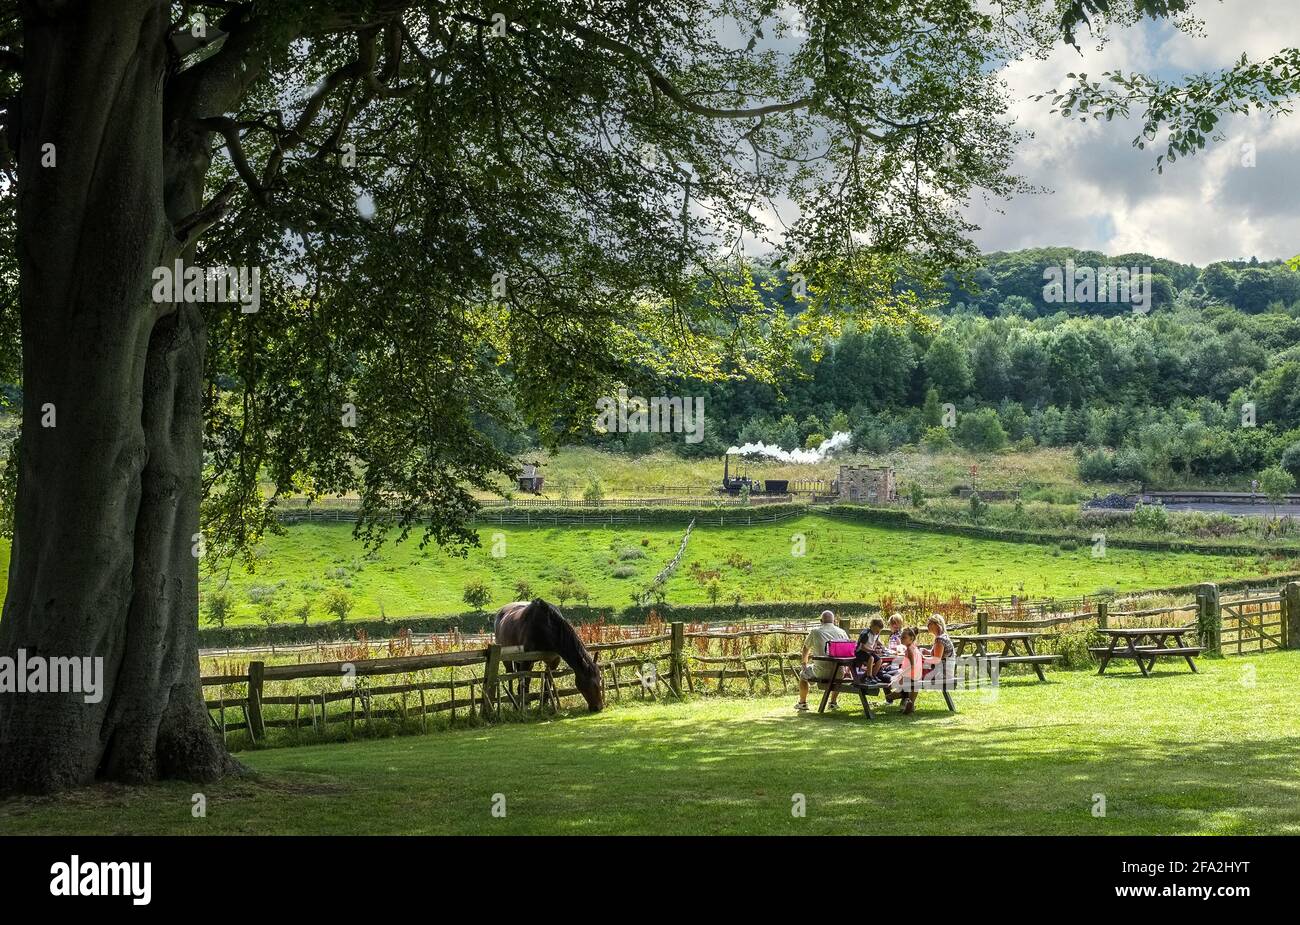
<point>1008,655</point>
<point>863,688</point>
<point>1145,645</point>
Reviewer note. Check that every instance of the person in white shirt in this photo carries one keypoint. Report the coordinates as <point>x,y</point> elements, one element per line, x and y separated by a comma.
<point>815,644</point>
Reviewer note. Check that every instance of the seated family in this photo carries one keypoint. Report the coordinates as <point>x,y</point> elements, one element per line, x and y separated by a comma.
<point>899,666</point>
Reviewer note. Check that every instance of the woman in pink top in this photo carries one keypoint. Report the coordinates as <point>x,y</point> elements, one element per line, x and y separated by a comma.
<point>908,679</point>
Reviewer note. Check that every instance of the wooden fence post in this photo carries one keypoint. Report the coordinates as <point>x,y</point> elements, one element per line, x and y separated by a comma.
<point>981,622</point>
<point>1291,615</point>
<point>1103,614</point>
<point>677,644</point>
<point>490,680</point>
<point>256,728</point>
<point>1209,618</point>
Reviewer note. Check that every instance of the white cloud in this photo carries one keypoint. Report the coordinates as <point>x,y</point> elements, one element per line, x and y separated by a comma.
<point>1106,195</point>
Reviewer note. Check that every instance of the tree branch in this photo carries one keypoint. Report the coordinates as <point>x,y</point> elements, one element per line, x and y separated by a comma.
<point>229,130</point>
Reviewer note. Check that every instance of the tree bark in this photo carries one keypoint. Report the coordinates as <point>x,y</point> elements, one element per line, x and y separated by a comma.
<point>107,503</point>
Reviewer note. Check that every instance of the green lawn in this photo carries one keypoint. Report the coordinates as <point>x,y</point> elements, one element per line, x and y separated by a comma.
<point>1176,753</point>
<point>840,561</point>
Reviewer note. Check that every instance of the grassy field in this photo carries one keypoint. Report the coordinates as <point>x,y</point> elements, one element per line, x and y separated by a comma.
<point>839,561</point>
<point>1212,753</point>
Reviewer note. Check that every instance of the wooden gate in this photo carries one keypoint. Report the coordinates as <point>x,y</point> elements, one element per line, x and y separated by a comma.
<point>1253,624</point>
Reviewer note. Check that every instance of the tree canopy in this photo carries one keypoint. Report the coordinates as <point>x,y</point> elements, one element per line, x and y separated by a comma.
<point>441,193</point>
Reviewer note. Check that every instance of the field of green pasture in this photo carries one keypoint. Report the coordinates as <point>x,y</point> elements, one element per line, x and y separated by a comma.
<point>808,558</point>
<point>1176,753</point>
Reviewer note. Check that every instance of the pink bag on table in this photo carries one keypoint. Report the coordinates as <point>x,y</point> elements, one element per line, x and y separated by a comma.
<point>841,648</point>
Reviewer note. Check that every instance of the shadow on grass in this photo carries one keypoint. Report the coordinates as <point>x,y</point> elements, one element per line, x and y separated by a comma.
<point>1190,760</point>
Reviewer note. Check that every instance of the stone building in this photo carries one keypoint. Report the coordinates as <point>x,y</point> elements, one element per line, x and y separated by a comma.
<point>866,485</point>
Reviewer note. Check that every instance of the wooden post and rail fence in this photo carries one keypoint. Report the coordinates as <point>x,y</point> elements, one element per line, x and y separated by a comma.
<point>1252,622</point>
<point>660,666</point>
<point>1228,626</point>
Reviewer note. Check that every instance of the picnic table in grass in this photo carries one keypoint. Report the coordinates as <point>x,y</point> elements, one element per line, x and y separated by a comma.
<point>839,682</point>
<point>1010,654</point>
<point>1145,644</point>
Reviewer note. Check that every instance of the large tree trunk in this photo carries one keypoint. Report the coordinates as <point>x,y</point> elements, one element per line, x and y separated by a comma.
<point>107,504</point>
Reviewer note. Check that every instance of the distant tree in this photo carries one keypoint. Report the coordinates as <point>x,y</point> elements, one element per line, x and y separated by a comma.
<point>1218,281</point>
<point>932,410</point>
<point>981,430</point>
<point>1276,483</point>
<point>301,611</point>
<point>947,369</point>
<point>476,593</point>
<point>714,590</point>
<point>757,429</point>
<point>523,591</point>
<point>565,589</point>
<point>1097,466</point>
<point>1014,420</point>
<point>220,606</point>
<point>936,440</point>
<point>1131,466</point>
<point>786,433</point>
<point>268,608</point>
<point>1290,460</point>
<point>809,426</point>
<point>338,602</point>
<point>990,362</point>
<point>1018,306</point>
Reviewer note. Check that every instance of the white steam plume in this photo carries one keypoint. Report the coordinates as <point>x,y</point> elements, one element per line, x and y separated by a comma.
<point>838,441</point>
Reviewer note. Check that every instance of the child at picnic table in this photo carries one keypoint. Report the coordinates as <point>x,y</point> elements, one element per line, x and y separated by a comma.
<point>895,632</point>
<point>904,684</point>
<point>867,657</point>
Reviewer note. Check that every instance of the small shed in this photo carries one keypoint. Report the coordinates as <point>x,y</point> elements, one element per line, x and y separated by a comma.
<point>530,479</point>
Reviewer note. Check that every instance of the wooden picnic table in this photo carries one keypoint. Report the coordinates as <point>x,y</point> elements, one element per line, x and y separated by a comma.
<point>1145,653</point>
<point>837,682</point>
<point>1009,654</point>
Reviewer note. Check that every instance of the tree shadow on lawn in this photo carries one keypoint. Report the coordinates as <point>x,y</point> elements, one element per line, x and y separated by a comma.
<point>892,774</point>
<point>733,766</point>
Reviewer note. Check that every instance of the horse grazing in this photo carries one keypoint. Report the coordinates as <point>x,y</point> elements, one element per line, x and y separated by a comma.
<point>539,627</point>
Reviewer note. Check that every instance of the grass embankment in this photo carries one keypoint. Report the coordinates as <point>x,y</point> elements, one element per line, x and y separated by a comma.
<point>840,561</point>
<point>1212,753</point>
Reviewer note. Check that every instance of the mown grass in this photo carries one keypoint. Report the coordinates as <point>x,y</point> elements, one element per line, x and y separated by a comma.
<point>1212,753</point>
<point>808,558</point>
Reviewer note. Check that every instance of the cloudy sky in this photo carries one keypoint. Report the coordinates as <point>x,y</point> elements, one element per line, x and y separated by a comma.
<point>1106,195</point>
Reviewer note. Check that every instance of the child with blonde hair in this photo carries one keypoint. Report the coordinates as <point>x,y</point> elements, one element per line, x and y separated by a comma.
<point>905,684</point>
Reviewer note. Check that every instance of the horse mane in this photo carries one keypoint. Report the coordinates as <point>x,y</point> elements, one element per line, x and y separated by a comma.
<point>563,638</point>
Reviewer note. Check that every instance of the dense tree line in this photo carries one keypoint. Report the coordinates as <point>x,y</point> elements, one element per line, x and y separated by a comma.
<point>1151,395</point>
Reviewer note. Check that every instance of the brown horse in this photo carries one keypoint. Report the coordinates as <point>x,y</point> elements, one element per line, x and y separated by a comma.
<point>539,627</point>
